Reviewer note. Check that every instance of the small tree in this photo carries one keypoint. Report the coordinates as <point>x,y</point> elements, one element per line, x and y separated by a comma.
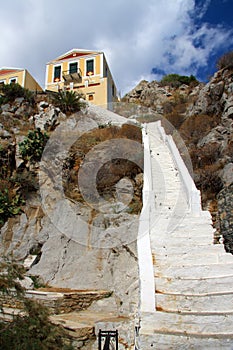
<point>68,101</point>
<point>33,145</point>
<point>225,61</point>
<point>31,329</point>
<point>9,92</point>
<point>10,205</point>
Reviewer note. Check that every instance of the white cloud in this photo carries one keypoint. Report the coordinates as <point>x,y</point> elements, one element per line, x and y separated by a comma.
<point>135,35</point>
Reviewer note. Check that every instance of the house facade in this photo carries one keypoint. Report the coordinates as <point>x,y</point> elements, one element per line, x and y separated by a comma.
<point>84,71</point>
<point>20,76</point>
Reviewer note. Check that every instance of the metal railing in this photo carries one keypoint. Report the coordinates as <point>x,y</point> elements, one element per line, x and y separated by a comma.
<point>70,75</point>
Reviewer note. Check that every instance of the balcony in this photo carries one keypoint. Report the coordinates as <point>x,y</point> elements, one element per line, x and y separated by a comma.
<point>70,76</point>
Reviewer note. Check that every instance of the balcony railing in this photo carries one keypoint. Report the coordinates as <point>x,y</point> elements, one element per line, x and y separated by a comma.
<point>70,76</point>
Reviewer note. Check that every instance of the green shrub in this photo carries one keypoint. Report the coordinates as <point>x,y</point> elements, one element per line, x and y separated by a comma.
<point>26,180</point>
<point>225,61</point>
<point>175,80</point>
<point>9,92</point>
<point>10,274</point>
<point>31,329</point>
<point>9,205</point>
<point>68,101</point>
<point>33,145</point>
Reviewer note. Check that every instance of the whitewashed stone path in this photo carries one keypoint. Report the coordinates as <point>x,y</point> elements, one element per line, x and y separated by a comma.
<point>188,303</point>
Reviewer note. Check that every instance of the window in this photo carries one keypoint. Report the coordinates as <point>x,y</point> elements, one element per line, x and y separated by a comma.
<point>13,80</point>
<point>90,67</point>
<point>90,97</point>
<point>57,73</point>
<point>113,90</point>
<point>73,67</point>
<point>2,82</point>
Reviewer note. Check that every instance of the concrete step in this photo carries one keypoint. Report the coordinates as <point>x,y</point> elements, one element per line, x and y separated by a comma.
<point>195,272</point>
<point>163,341</point>
<point>190,325</point>
<point>204,304</point>
<point>194,286</point>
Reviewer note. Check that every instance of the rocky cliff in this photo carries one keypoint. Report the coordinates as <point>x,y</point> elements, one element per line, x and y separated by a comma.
<point>74,232</point>
<point>72,218</point>
<point>202,114</point>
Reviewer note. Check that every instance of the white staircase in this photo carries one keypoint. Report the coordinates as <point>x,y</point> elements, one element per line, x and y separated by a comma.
<point>193,278</point>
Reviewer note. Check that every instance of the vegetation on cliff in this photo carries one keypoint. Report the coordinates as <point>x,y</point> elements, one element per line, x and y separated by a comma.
<point>202,114</point>
<point>175,80</point>
<point>31,328</point>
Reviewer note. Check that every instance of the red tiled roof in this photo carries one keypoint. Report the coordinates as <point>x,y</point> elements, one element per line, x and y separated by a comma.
<point>6,71</point>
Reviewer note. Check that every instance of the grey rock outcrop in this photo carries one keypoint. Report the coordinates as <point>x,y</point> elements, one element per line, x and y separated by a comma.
<point>203,114</point>
<point>76,247</point>
<point>4,133</point>
<point>226,216</point>
<point>48,116</point>
<point>150,95</point>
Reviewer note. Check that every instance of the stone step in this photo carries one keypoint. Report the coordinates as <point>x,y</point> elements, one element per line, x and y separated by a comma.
<point>188,256</point>
<point>198,223</point>
<point>196,258</point>
<point>205,303</point>
<point>192,286</point>
<point>86,323</point>
<point>193,230</point>
<point>203,218</point>
<point>8,313</point>
<point>58,300</point>
<point>193,226</point>
<point>190,325</point>
<point>159,240</point>
<point>76,329</point>
<point>167,250</point>
<point>195,272</point>
<point>178,341</point>
<point>160,229</point>
<point>188,260</point>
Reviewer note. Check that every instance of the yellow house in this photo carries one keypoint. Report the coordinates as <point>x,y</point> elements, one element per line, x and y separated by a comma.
<point>83,71</point>
<point>20,76</point>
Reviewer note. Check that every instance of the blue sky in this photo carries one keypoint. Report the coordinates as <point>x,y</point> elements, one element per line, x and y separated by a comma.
<point>138,37</point>
<point>210,20</point>
<point>217,13</point>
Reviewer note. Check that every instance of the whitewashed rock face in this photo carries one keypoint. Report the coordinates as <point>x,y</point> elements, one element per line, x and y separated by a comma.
<point>48,116</point>
<point>78,247</point>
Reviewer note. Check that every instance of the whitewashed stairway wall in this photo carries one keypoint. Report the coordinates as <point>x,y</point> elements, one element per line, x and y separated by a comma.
<point>191,306</point>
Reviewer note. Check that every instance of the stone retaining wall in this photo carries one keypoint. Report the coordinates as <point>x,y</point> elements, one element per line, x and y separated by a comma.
<point>58,302</point>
